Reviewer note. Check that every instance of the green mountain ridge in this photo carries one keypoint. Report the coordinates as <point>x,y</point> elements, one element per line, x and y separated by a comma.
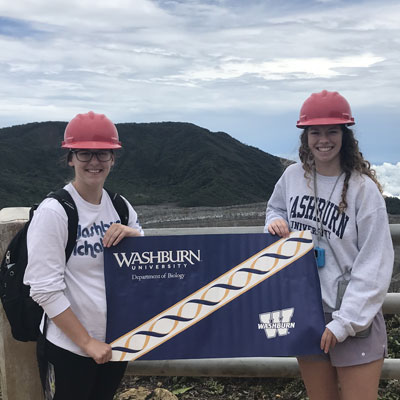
<point>160,162</point>
<point>165,162</point>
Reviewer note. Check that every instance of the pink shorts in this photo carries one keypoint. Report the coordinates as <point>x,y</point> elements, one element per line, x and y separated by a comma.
<point>357,350</point>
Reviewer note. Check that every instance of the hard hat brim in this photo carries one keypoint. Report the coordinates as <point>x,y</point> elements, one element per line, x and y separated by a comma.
<point>325,121</point>
<point>91,145</point>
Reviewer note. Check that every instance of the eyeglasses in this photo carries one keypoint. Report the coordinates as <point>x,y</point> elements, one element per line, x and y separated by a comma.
<point>86,156</point>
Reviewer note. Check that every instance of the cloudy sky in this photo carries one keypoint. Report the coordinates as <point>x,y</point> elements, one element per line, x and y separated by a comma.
<point>239,66</point>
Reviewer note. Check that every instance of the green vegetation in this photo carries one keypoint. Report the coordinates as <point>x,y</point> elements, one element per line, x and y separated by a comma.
<point>165,162</point>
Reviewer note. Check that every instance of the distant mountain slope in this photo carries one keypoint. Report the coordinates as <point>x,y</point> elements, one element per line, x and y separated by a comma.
<point>168,162</point>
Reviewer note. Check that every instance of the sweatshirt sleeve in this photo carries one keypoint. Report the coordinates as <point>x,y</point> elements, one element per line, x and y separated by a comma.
<point>276,207</point>
<point>46,240</point>
<point>371,271</point>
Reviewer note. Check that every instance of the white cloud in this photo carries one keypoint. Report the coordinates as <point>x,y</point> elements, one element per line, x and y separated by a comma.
<point>286,68</point>
<point>389,177</point>
<point>197,60</point>
<point>81,15</point>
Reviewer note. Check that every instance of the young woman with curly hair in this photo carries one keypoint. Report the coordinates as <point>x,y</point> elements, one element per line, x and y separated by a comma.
<point>334,193</point>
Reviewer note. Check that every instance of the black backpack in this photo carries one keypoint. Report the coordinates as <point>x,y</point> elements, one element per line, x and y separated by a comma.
<point>22,312</point>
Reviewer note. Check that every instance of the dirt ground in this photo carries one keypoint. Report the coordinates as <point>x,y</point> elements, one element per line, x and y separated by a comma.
<point>185,388</point>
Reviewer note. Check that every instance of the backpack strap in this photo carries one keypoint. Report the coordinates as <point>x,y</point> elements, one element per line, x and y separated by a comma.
<point>67,202</point>
<point>65,199</point>
<point>120,206</point>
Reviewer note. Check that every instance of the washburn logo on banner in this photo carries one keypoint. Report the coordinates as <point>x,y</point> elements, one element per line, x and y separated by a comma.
<point>156,260</point>
<point>277,322</point>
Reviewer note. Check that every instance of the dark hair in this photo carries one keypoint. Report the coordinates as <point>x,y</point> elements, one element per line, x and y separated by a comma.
<point>351,159</point>
<point>68,156</point>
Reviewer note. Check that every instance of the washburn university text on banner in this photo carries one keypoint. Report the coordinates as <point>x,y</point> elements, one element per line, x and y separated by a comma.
<point>213,296</point>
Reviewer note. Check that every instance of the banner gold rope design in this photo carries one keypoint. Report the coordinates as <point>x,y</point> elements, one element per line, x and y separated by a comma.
<point>211,297</point>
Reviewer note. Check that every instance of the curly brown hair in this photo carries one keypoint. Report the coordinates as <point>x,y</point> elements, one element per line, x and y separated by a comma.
<point>351,159</point>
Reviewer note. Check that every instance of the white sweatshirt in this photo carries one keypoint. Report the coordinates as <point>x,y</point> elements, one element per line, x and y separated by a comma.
<point>80,284</point>
<point>360,238</point>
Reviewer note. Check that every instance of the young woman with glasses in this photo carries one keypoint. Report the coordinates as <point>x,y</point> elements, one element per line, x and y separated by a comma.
<point>72,293</point>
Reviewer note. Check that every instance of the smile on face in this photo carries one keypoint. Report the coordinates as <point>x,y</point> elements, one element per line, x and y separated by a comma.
<point>89,169</point>
<point>325,142</point>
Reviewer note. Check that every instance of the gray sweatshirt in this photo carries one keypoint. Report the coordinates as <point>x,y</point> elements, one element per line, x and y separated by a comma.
<point>360,238</point>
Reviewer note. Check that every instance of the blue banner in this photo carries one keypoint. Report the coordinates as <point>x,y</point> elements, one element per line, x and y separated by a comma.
<point>213,296</point>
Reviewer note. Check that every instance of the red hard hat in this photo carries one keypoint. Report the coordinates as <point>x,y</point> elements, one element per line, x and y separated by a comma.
<point>91,131</point>
<point>325,108</point>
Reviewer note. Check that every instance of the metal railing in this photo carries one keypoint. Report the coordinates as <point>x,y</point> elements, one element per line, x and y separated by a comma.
<point>262,367</point>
